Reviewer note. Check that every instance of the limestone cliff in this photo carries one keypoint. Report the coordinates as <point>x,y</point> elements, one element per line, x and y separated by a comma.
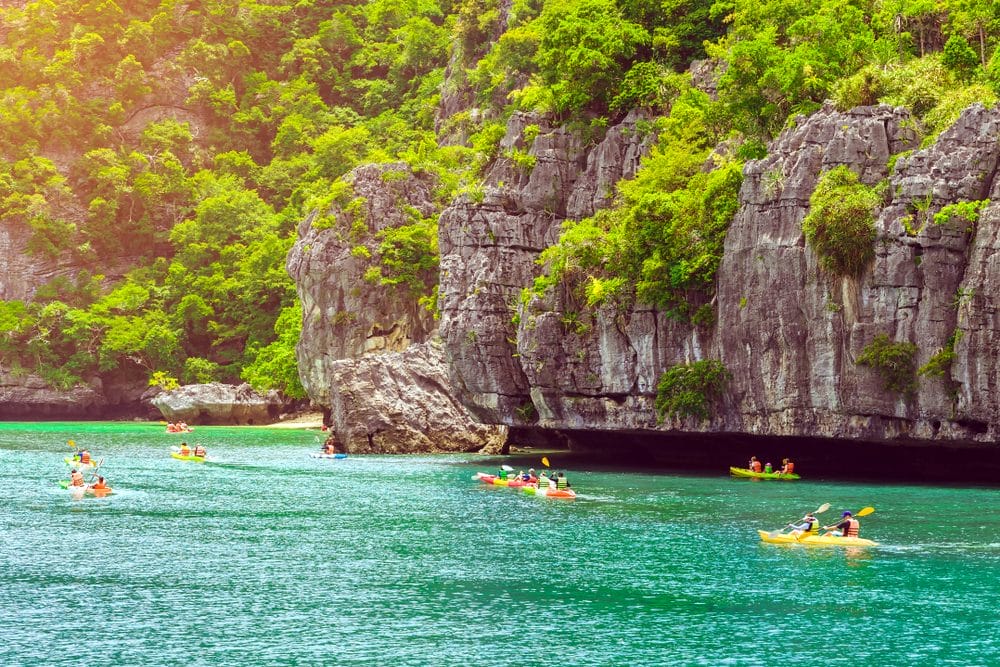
<point>789,332</point>
<point>343,315</point>
<point>366,352</point>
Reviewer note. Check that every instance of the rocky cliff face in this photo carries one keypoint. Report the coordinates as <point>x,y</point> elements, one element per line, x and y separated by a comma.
<point>30,397</point>
<point>364,352</point>
<point>789,332</point>
<point>488,253</point>
<point>343,315</point>
<point>402,402</point>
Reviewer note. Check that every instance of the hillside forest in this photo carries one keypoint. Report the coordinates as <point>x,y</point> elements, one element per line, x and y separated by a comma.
<point>168,149</point>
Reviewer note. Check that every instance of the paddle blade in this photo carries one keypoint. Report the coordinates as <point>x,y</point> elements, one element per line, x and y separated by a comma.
<point>865,511</point>
<point>822,508</point>
<point>71,443</point>
<point>545,462</point>
<point>506,467</point>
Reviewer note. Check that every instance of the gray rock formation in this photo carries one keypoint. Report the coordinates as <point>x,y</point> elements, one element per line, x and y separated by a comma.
<point>217,403</point>
<point>489,248</point>
<point>401,403</point>
<point>363,352</point>
<point>789,332</point>
<point>30,398</point>
<point>343,315</point>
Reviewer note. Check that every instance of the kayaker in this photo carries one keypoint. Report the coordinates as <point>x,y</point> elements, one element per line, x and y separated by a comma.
<point>84,457</point>
<point>100,484</point>
<point>185,450</point>
<point>199,450</point>
<point>767,468</point>
<point>787,467</point>
<point>807,524</point>
<point>754,465</point>
<point>542,482</point>
<point>561,481</point>
<point>75,478</point>
<point>329,447</point>
<point>848,527</point>
<point>531,477</point>
<point>502,474</point>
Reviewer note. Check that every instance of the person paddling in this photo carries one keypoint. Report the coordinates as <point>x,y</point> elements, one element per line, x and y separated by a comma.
<point>848,527</point>
<point>807,524</point>
<point>76,478</point>
<point>100,484</point>
<point>787,467</point>
<point>754,465</point>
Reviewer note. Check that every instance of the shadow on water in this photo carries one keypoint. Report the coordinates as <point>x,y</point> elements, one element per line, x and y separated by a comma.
<point>815,458</point>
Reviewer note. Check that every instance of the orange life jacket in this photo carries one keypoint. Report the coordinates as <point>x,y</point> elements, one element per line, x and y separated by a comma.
<point>85,457</point>
<point>185,450</point>
<point>756,466</point>
<point>76,479</point>
<point>99,485</point>
<point>853,527</point>
<point>789,468</point>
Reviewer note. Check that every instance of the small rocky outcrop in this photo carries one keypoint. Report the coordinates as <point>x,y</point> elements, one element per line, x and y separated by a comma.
<point>402,403</point>
<point>345,316</point>
<point>218,403</point>
<point>31,398</point>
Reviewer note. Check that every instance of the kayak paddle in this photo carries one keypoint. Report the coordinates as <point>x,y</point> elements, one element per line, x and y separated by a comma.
<point>507,468</point>
<point>545,462</point>
<point>93,473</point>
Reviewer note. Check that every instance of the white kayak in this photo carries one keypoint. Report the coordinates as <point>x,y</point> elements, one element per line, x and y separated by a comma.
<point>321,455</point>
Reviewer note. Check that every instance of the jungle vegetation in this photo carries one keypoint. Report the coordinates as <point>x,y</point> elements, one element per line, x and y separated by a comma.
<point>169,149</point>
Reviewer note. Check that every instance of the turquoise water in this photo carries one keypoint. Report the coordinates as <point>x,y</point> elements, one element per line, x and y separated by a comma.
<point>264,556</point>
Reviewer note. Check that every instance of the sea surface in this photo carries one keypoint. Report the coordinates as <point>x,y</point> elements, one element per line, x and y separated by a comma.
<point>265,556</point>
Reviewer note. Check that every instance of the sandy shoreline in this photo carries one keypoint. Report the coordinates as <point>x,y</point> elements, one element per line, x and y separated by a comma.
<point>303,421</point>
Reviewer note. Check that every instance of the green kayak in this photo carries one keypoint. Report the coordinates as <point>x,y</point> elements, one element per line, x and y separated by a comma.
<point>743,472</point>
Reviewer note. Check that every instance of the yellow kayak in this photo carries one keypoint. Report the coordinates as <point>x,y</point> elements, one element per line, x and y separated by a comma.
<point>816,540</point>
<point>187,457</point>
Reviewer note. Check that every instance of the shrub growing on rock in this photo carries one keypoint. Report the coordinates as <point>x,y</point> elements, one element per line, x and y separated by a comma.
<point>840,226</point>
<point>688,390</point>
<point>895,362</point>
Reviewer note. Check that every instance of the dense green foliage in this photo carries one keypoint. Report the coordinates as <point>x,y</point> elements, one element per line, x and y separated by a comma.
<point>688,390</point>
<point>895,362</point>
<point>662,241</point>
<point>187,140</point>
<point>840,226</point>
